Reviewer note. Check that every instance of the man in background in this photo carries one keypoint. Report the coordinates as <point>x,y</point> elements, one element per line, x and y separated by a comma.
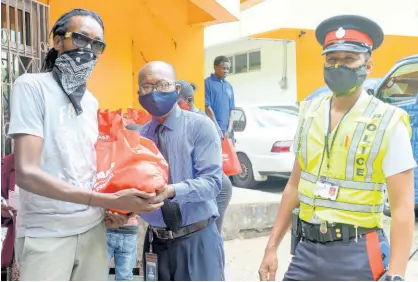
<point>219,97</point>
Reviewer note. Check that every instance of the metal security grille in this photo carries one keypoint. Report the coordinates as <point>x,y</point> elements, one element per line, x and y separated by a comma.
<point>24,44</point>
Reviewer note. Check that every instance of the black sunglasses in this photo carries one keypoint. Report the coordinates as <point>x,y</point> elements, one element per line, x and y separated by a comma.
<point>81,40</point>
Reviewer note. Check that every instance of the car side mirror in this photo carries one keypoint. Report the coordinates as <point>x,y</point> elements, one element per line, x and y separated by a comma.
<point>370,91</point>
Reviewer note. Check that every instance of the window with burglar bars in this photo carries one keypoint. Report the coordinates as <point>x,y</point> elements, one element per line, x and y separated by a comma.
<point>24,45</point>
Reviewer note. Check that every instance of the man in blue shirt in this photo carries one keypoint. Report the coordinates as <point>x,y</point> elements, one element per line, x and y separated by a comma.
<point>183,233</point>
<point>219,96</point>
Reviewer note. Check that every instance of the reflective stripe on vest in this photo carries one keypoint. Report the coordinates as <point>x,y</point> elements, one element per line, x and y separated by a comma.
<point>356,139</point>
<point>369,186</point>
<point>298,134</point>
<point>339,205</point>
<point>303,130</point>
<point>387,116</point>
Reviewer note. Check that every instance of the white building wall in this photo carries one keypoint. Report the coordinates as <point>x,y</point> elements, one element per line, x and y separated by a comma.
<point>398,17</point>
<point>262,86</point>
<point>232,6</point>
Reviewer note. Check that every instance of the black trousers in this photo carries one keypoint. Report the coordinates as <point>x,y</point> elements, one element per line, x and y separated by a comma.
<point>336,261</point>
<point>195,257</point>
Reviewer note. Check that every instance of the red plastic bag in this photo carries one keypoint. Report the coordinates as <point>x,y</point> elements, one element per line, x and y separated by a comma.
<point>105,118</point>
<point>230,162</point>
<point>138,116</point>
<point>127,160</point>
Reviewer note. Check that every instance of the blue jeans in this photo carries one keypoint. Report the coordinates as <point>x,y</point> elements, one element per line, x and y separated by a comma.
<point>123,247</point>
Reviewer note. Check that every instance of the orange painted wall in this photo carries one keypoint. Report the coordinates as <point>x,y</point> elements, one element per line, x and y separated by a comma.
<point>309,62</point>
<point>161,32</point>
<point>136,31</point>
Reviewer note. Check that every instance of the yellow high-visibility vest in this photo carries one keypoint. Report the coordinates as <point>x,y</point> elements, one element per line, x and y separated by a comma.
<point>355,163</point>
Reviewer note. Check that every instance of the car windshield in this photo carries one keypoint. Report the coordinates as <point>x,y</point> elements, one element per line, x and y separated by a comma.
<point>402,85</point>
<point>276,116</point>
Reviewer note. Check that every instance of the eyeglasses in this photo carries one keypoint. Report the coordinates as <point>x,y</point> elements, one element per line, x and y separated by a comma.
<point>81,40</point>
<point>161,86</point>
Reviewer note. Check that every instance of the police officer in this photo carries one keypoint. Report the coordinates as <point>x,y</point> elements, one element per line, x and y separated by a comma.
<point>349,146</point>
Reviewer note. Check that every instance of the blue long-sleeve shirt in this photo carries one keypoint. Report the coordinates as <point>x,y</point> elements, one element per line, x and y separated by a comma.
<point>219,95</point>
<point>195,163</point>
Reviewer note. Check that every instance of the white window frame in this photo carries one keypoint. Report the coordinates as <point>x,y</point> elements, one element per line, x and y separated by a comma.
<point>232,60</point>
<point>233,72</point>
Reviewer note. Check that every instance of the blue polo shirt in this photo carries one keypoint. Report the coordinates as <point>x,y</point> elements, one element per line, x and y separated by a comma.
<point>219,95</point>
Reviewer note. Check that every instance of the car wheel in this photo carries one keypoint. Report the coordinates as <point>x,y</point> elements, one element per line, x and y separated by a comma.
<point>246,178</point>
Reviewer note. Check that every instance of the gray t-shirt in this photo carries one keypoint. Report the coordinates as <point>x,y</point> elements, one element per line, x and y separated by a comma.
<point>40,107</point>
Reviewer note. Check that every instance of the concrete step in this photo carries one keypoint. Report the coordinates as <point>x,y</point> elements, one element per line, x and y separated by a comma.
<point>251,213</point>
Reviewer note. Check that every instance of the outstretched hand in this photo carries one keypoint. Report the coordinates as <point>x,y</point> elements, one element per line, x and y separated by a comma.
<point>136,201</point>
<point>167,192</point>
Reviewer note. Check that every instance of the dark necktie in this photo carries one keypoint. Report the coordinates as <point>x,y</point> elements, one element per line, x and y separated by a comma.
<point>170,210</point>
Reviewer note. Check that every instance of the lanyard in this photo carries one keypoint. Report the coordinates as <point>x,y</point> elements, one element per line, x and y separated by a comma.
<point>328,147</point>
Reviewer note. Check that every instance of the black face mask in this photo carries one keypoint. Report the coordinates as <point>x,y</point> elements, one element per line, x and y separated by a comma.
<point>343,80</point>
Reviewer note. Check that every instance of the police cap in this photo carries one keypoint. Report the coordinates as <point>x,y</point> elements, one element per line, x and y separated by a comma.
<point>349,33</point>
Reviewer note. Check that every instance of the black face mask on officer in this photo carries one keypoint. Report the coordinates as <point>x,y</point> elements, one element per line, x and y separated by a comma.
<point>343,80</point>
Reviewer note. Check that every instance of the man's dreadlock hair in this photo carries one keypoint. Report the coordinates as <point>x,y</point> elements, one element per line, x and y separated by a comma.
<point>60,28</point>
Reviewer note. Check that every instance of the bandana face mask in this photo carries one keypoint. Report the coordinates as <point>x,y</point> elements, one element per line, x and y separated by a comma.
<point>72,70</point>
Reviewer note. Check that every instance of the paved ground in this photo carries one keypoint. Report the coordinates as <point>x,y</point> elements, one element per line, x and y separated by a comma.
<point>243,257</point>
<point>272,185</point>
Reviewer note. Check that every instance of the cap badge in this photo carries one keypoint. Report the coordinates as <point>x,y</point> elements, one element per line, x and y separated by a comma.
<point>340,33</point>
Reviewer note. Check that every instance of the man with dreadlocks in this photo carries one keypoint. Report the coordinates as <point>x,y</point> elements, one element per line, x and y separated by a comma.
<point>60,229</point>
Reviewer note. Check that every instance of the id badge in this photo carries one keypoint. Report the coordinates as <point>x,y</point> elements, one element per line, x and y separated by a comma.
<point>326,190</point>
<point>321,189</point>
<point>151,267</point>
<point>332,191</point>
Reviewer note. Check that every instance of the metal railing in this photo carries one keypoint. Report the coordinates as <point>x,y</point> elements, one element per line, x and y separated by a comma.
<point>24,44</point>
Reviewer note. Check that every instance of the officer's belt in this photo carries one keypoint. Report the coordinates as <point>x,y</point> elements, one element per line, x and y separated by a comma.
<point>334,232</point>
<point>165,234</point>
